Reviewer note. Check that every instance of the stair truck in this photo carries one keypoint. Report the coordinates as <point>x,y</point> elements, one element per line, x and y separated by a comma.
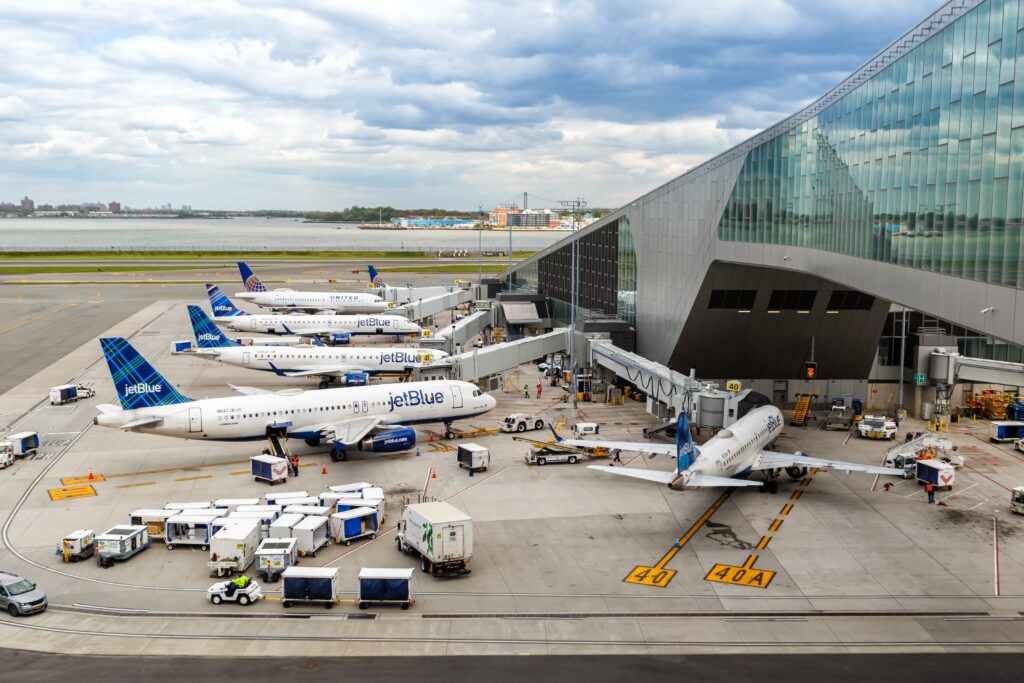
<point>311,584</point>
<point>438,533</point>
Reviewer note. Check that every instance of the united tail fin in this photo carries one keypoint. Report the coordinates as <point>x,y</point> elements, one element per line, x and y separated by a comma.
<point>375,278</point>
<point>686,451</point>
<point>208,335</point>
<point>137,383</point>
<point>249,279</point>
<point>220,304</point>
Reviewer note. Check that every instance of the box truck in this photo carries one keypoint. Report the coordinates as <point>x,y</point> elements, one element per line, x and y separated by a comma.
<point>438,533</point>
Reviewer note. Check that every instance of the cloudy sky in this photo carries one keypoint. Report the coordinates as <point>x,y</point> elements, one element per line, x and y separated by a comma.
<point>321,104</point>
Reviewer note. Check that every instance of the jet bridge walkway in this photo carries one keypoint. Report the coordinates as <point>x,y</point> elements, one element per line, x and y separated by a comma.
<point>419,309</point>
<point>673,389</point>
<point>493,360</point>
<point>451,338</point>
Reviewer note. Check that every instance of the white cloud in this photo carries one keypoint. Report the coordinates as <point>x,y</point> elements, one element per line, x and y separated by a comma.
<point>13,108</point>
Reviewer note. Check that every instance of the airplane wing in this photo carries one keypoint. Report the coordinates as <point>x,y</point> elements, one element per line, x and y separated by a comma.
<point>638,446</point>
<point>249,391</point>
<point>108,408</point>
<point>141,422</point>
<point>335,371</point>
<point>350,431</point>
<point>693,481</point>
<point>769,460</point>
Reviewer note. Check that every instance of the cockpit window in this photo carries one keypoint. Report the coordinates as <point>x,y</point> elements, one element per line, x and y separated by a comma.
<point>476,392</point>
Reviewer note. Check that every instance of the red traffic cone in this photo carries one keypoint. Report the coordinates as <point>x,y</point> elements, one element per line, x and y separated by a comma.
<point>323,470</point>
<point>430,436</point>
<point>433,475</point>
<point>90,474</point>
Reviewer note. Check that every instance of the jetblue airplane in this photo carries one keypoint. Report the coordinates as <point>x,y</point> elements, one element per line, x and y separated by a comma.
<point>328,363</point>
<point>727,458</point>
<point>372,418</point>
<point>336,327</point>
<point>257,292</point>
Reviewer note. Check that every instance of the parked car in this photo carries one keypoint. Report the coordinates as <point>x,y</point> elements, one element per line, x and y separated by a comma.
<point>19,596</point>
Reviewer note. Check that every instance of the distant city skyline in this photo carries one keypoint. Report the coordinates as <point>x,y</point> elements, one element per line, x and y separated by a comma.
<point>312,106</point>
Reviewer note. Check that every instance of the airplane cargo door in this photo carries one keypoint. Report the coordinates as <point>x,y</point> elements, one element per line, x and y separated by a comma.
<point>451,541</point>
<point>245,358</point>
<point>195,420</point>
<point>457,397</point>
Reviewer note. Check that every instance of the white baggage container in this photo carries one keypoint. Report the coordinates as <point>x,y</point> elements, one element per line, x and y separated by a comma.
<point>154,519</point>
<point>268,468</point>
<point>386,586</point>
<point>264,518</point>
<point>350,488</point>
<point>373,492</point>
<point>350,503</point>
<point>274,556</point>
<point>311,584</point>
<point>120,543</point>
<point>473,457</point>
<point>275,510</point>
<point>308,510</point>
<point>197,505</point>
<point>231,504</point>
<point>440,534</point>
<point>312,533</point>
<point>308,500</point>
<point>233,548</point>
<point>279,498</point>
<point>186,529</point>
<point>282,526</point>
<point>352,524</point>
<point>78,545</point>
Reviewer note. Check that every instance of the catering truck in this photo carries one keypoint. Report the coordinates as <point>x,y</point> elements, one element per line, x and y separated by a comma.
<point>69,393</point>
<point>440,534</point>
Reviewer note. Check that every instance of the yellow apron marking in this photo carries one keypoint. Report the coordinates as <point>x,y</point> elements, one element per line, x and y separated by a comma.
<point>765,540</point>
<point>658,575</point>
<point>747,575</point>
<point>240,472</point>
<point>58,309</point>
<point>775,526</point>
<point>202,476</point>
<point>69,492</point>
<point>796,495</point>
<point>176,469</point>
<point>73,481</point>
<point>786,508</point>
<point>141,483</point>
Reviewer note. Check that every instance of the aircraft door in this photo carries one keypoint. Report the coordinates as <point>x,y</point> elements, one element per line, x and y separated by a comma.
<point>457,397</point>
<point>245,358</point>
<point>195,420</point>
<point>252,322</point>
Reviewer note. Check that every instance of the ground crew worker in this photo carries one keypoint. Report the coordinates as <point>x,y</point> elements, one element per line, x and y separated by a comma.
<point>930,490</point>
<point>526,391</point>
<point>616,456</point>
<point>295,465</point>
<point>540,388</point>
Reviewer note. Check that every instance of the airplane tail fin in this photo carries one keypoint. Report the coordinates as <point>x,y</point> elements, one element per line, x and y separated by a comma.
<point>375,278</point>
<point>686,452</point>
<point>249,279</point>
<point>137,383</point>
<point>220,304</point>
<point>208,335</point>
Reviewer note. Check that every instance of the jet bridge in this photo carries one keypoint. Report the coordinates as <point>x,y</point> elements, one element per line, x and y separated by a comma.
<point>403,295</point>
<point>947,367</point>
<point>419,309</point>
<point>491,361</point>
<point>451,338</point>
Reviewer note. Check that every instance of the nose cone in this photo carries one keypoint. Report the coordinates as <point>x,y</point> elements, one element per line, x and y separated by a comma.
<point>491,402</point>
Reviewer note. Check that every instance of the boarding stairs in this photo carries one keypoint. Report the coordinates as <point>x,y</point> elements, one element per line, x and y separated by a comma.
<point>803,405</point>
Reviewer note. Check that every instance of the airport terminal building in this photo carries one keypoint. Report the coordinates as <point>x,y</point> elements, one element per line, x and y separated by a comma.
<point>900,187</point>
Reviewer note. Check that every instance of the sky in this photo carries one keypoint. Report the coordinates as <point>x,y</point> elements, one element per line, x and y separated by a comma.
<point>324,104</point>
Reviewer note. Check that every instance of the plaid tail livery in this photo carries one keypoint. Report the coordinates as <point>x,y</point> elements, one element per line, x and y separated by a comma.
<point>220,304</point>
<point>208,335</point>
<point>137,383</point>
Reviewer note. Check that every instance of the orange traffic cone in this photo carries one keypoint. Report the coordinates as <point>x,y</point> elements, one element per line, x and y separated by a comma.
<point>323,470</point>
<point>433,475</point>
<point>90,474</point>
<point>430,436</point>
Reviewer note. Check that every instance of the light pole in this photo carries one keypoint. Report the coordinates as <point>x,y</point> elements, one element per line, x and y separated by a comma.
<point>575,204</point>
<point>480,248</point>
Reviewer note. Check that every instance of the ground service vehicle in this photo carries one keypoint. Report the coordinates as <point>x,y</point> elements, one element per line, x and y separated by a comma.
<point>230,591</point>
<point>440,534</point>
<point>543,456</point>
<point>877,427</point>
<point>521,422</point>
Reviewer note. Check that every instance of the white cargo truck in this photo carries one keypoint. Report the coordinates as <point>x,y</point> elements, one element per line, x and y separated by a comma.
<point>233,548</point>
<point>473,457</point>
<point>440,534</point>
<point>22,443</point>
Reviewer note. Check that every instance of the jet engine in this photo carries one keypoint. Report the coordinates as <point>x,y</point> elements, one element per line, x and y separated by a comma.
<point>391,441</point>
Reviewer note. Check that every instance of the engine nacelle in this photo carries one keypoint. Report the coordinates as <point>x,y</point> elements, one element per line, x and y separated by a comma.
<point>356,379</point>
<point>796,472</point>
<point>341,338</point>
<point>391,441</point>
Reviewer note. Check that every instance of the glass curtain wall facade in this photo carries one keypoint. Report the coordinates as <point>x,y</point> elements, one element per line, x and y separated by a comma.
<point>921,165</point>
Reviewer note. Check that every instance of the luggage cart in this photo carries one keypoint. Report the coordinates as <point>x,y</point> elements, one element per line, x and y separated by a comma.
<point>78,545</point>
<point>274,556</point>
<point>120,543</point>
<point>356,523</point>
<point>385,586</point>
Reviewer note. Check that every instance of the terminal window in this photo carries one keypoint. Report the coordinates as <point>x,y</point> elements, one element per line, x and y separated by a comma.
<point>849,300</point>
<point>791,300</point>
<point>732,299</point>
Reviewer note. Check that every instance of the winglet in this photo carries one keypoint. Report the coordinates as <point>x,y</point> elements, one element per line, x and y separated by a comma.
<point>557,437</point>
<point>279,373</point>
<point>287,329</point>
<point>317,341</point>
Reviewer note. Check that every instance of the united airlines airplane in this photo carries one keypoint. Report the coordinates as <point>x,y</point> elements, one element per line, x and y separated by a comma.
<point>728,458</point>
<point>338,328</point>
<point>373,418</point>
<point>281,299</point>
<point>347,365</point>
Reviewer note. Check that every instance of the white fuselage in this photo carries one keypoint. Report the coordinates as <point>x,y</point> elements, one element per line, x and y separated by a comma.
<point>322,324</point>
<point>317,301</point>
<point>326,358</point>
<point>306,413</point>
<point>733,451</point>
